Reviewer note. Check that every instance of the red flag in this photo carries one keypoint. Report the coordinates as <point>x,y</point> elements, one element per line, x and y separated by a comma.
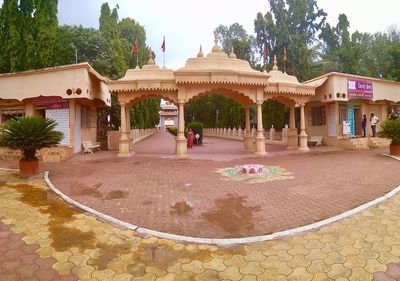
<point>163,45</point>
<point>284,54</point>
<point>135,47</point>
<point>265,53</point>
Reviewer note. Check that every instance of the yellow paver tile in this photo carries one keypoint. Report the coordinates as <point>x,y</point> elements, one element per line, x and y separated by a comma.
<point>122,277</point>
<point>249,278</point>
<point>338,271</point>
<point>61,256</point>
<point>252,268</point>
<point>354,261</point>
<point>255,256</point>
<point>207,275</point>
<point>235,260</point>
<point>349,250</point>
<point>300,273</point>
<point>194,266</point>
<point>79,260</point>
<point>63,268</point>
<point>316,254</point>
<point>359,273</point>
<point>216,264</point>
<point>298,261</point>
<point>333,258</point>
<point>387,257</point>
<point>231,273</point>
<point>156,271</point>
<point>83,272</point>
<point>299,250</point>
<point>175,268</point>
<point>373,266</point>
<point>106,274</point>
<point>318,266</point>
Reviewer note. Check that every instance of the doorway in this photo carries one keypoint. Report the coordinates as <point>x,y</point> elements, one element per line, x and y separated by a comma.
<point>357,121</point>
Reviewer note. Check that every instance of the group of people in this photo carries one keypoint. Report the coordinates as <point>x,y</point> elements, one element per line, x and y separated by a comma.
<point>374,121</point>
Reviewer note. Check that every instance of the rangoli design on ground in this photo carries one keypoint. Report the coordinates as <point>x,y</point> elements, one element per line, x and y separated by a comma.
<point>254,173</point>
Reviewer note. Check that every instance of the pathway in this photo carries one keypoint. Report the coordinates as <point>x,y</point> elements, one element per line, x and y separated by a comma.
<point>365,246</point>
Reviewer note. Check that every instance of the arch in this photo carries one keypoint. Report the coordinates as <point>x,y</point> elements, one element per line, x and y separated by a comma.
<point>132,98</point>
<point>237,95</point>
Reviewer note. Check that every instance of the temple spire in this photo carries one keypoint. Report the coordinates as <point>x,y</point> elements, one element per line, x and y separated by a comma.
<point>216,48</point>
<point>200,53</point>
<point>232,55</point>
<point>275,67</point>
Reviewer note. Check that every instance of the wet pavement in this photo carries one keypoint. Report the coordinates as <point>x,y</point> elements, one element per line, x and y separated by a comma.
<point>191,197</point>
<point>44,238</point>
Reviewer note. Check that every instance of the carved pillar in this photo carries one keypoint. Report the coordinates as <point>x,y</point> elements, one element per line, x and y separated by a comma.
<point>303,136</point>
<point>71,122</point>
<point>293,142</point>
<point>29,109</point>
<point>181,142</point>
<point>260,139</point>
<point>248,138</point>
<point>123,140</point>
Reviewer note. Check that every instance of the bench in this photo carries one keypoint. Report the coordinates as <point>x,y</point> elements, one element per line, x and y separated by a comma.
<point>89,147</point>
<point>315,139</point>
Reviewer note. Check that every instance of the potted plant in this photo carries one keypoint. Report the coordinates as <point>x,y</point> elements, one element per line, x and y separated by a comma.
<point>390,129</point>
<point>29,134</point>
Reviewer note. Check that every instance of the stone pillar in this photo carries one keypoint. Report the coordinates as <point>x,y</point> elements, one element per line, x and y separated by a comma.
<point>248,138</point>
<point>181,142</point>
<point>72,122</point>
<point>293,142</point>
<point>303,136</point>
<point>123,140</point>
<point>29,109</point>
<point>260,139</point>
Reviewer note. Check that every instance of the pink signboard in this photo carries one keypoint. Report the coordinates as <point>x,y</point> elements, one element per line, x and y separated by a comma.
<point>50,102</point>
<point>359,89</point>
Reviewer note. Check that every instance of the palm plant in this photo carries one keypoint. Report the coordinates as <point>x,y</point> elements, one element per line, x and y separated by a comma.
<point>390,129</point>
<point>29,134</point>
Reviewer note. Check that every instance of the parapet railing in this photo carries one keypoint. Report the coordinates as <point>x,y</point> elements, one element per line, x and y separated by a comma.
<point>272,136</point>
<point>135,135</point>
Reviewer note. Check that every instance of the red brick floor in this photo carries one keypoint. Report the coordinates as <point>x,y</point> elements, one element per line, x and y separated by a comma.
<point>19,262</point>
<point>143,189</point>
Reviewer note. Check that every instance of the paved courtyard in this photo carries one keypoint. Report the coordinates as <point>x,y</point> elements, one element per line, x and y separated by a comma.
<point>44,238</point>
<point>188,197</point>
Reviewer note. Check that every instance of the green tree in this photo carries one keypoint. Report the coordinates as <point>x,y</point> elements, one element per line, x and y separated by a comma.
<point>292,24</point>
<point>108,26</point>
<point>10,39</point>
<point>46,27</point>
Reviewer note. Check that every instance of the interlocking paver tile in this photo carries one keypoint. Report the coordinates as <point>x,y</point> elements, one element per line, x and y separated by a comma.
<point>62,243</point>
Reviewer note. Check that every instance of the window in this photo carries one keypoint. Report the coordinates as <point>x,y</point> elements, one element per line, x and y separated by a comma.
<point>318,116</point>
<point>342,114</point>
<point>85,117</point>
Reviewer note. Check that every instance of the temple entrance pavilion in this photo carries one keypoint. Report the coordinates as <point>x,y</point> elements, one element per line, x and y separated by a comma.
<point>216,73</point>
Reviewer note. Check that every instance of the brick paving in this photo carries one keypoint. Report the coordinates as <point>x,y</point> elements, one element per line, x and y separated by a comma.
<point>146,189</point>
<point>42,238</point>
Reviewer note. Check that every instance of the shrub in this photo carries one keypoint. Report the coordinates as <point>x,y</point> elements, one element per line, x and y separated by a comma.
<point>173,130</point>
<point>197,128</point>
<point>390,129</point>
<point>29,134</point>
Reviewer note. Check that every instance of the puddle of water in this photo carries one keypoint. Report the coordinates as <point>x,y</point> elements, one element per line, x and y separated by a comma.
<point>117,194</point>
<point>180,208</point>
<point>232,215</point>
<point>59,213</point>
<point>109,253</point>
<point>80,189</point>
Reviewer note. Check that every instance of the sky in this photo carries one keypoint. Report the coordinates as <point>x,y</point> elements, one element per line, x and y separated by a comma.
<point>187,24</point>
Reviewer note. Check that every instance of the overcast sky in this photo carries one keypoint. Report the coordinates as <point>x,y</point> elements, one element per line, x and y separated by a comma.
<point>188,23</point>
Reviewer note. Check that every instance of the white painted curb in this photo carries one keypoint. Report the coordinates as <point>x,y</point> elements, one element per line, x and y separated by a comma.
<point>222,242</point>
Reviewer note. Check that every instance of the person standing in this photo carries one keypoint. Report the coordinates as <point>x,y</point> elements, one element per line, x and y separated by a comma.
<point>190,139</point>
<point>364,125</point>
<point>374,121</point>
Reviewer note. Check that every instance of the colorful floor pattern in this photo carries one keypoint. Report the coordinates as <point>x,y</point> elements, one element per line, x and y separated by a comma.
<point>73,245</point>
<point>254,173</point>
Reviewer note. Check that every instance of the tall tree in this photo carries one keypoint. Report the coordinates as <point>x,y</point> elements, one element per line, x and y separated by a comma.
<point>109,29</point>
<point>27,8</point>
<point>292,24</point>
<point>46,27</point>
<point>10,38</point>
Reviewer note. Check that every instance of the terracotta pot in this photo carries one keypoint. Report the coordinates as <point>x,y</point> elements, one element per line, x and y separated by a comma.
<point>29,168</point>
<point>395,149</point>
